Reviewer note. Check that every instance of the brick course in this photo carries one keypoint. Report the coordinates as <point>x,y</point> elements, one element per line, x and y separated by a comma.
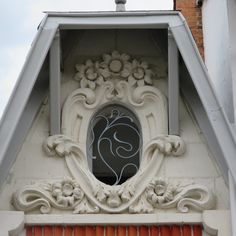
<point>193,16</point>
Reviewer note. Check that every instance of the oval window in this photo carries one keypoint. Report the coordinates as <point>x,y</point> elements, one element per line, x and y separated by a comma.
<point>114,144</point>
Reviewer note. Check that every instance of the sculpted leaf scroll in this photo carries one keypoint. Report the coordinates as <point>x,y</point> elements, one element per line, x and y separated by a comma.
<point>165,145</point>
<point>63,195</point>
<point>114,196</point>
<point>160,194</point>
<point>63,146</point>
<point>115,79</point>
<point>91,195</point>
<point>156,194</point>
<point>121,195</point>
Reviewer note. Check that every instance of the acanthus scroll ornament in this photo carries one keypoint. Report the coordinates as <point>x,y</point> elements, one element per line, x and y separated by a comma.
<point>63,195</point>
<point>115,195</point>
<point>156,194</point>
<point>116,79</point>
<point>159,194</point>
<point>114,198</point>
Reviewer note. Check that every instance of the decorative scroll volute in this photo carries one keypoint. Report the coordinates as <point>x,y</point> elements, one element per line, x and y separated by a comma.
<point>114,80</point>
<point>148,103</point>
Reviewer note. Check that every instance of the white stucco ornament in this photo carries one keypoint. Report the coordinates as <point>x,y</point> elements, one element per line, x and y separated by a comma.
<point>162,194</point>
<point>63,195</point>
<point>114,80</point>
<point>114,65</point>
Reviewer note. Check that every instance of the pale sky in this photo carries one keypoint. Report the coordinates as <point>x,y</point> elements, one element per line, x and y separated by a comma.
<point>19,21</point>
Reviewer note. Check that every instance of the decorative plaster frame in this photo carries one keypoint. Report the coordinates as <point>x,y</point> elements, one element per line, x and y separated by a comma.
<point>114,80</point>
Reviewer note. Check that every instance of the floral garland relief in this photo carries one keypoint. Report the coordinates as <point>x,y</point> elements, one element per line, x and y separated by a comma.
<point>91,74</point>
<point>159,193</point>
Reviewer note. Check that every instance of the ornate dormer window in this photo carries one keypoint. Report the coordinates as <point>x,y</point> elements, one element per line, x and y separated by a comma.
<point>114,140</point>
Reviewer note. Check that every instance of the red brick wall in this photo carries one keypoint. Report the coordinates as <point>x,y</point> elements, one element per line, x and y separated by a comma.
<point>193,15</point>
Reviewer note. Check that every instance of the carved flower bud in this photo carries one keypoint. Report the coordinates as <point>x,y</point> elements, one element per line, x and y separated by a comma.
<point>154,198</point>
<point>113,199</point>
<point>115,66</point>
<point>67,189</point>
<point>91,74</point>
<point>138,73</point>
<point>161,199</point>
<point>56,189</point>
<point>78,193</point>
<point>160,187</point>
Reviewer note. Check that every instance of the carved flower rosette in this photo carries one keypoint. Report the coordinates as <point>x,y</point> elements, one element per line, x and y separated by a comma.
<point>115,65</point>
<point>115,79</point>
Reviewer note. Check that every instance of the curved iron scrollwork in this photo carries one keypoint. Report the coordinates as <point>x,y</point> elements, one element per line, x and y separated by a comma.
<point>115,144</point>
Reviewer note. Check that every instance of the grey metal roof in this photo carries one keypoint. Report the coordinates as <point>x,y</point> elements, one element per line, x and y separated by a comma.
<point>33,81</point>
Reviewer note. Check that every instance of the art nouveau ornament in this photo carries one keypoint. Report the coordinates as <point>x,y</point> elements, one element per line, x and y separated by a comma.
<point>161,194</point>
<point>115,81</point>
<point>114,144</point>
<point>113,66</point>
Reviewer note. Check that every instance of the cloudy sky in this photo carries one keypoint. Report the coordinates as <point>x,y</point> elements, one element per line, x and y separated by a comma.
<point>20,19</point>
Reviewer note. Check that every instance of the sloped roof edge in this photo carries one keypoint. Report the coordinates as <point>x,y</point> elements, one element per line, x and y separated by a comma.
<point>205,88</point>
<point>151,19</point>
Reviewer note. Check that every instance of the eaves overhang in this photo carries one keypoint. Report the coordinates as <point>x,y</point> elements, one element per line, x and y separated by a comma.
<point>54,21</point>
<point>112,20</point>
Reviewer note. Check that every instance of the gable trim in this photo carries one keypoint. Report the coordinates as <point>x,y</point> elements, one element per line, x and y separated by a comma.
<point>207,94</point>
<point>156,19</point>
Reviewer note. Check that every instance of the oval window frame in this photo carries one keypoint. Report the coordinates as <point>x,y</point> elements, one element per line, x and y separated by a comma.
<point>110,107</point>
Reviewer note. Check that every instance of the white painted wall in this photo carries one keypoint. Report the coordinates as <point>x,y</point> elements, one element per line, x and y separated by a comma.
<point>33,166</point>
<point>217,51</point>
<point>232,40</point>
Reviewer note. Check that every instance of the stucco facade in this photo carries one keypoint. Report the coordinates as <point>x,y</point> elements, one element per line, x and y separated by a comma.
<point>187,163</point>
<point>217,52</point>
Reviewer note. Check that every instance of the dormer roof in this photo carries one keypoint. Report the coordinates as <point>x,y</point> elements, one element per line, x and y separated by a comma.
<point>195,84</point>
